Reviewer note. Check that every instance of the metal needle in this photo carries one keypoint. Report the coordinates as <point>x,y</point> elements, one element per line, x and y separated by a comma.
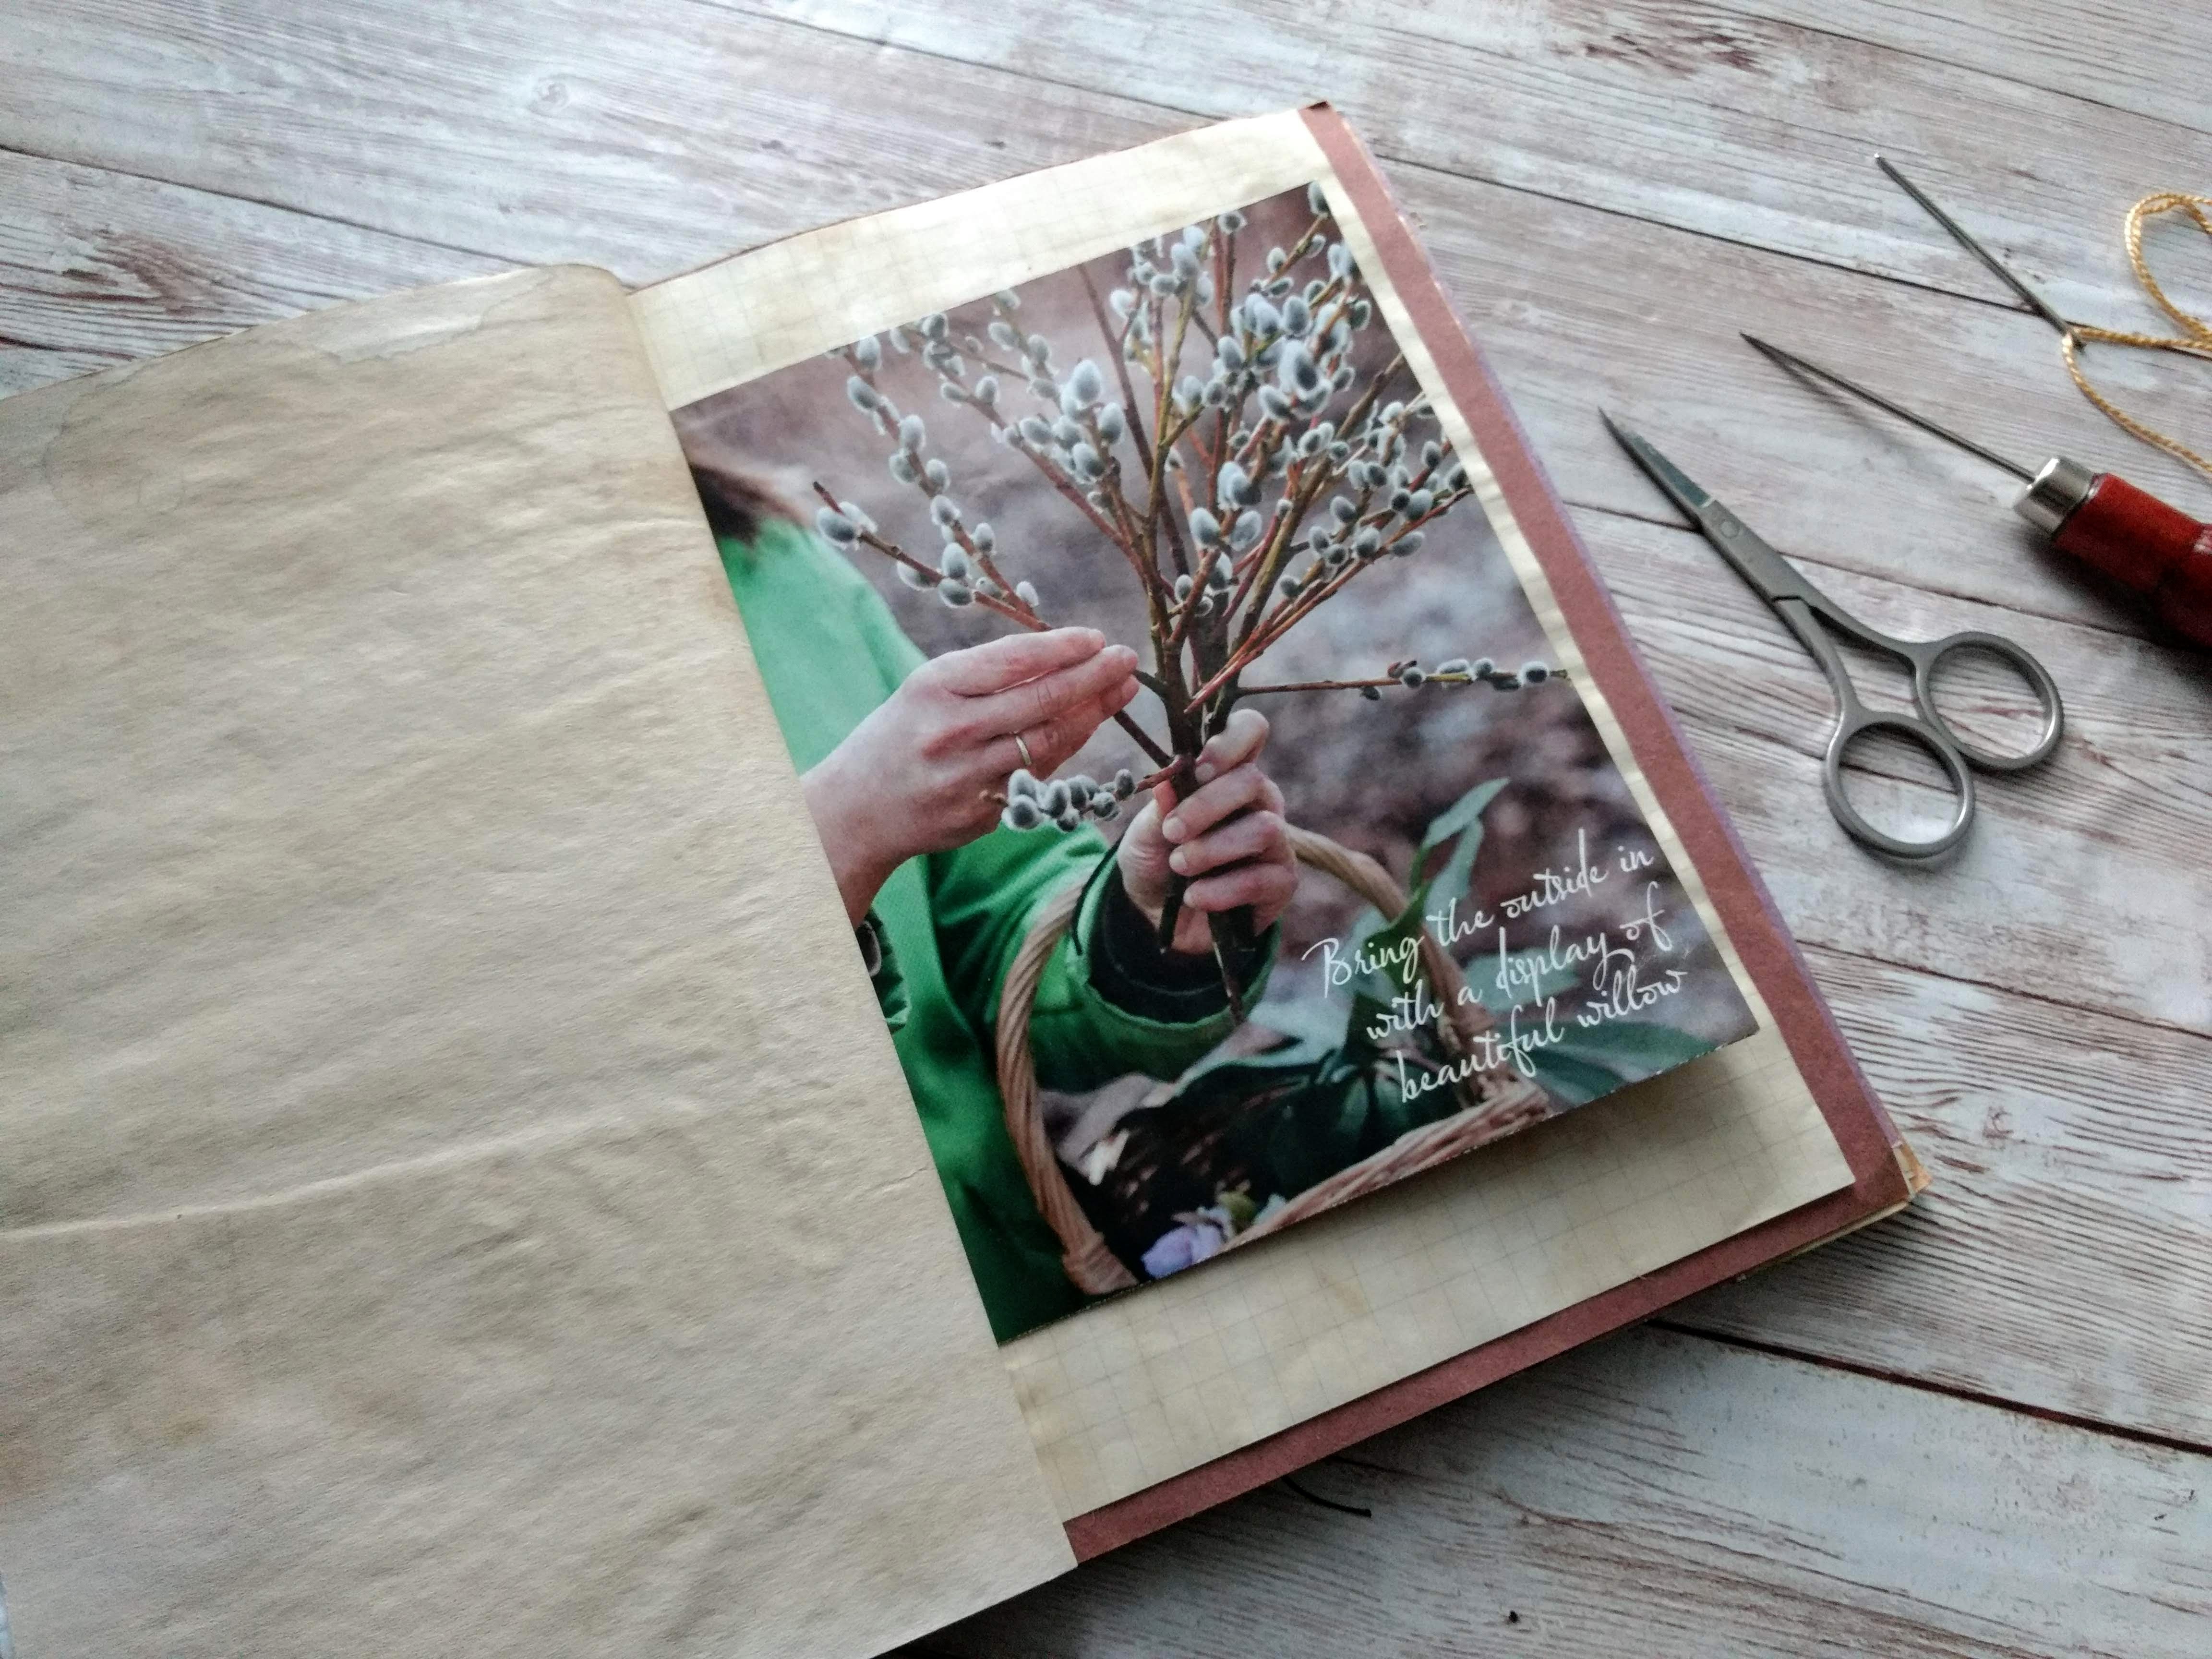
<point>1790,359</point>
<point>2036,302</point>
<point>2129,534</point>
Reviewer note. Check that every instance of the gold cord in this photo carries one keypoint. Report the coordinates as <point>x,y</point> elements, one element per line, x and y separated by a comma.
<point>2195,340</point>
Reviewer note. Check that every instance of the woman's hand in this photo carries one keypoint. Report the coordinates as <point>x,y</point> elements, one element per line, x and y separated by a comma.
<point>1226,838</point>
<point>917,775</point>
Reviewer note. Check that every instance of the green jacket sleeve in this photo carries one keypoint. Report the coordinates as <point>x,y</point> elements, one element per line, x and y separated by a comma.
<point>986,895</point>
<point>983,898</point>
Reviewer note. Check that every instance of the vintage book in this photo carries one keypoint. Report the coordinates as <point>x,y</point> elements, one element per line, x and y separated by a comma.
<point>663,994</point>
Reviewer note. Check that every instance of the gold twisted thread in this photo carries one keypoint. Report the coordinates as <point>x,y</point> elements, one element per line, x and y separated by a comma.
<point>2195,340</point>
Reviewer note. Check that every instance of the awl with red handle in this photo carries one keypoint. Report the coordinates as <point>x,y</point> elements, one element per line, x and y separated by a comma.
<point>2099,518</point>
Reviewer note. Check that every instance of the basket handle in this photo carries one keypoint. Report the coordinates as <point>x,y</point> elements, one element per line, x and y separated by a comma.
<point>1090,1266</point>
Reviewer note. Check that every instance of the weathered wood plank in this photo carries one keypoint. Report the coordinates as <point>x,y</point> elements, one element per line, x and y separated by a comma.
<point>646,139</point>
<point>98,268</point>
<point>2063,1256</point>
<point>547,133</point>
<point>1655,1496</point>
<point>2154,59</point>
<point>2136,710</point>
<point>2022,1256</point>
<point>2062,1259</point>
<point>2045,1237</point>
<point>1698,116</point>
<point>1577,304</point>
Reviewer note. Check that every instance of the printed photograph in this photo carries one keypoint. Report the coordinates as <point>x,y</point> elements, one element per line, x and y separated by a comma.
<point>1221,837</point>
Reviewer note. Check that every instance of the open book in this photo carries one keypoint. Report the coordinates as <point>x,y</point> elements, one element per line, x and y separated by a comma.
<point>478,1170</point>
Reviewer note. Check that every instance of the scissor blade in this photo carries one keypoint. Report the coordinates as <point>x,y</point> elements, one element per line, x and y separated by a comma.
<point>1768,572</point>
<point>1686,492</point>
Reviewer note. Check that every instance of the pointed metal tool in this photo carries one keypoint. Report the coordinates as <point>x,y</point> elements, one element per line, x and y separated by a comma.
<point>2099,518</point>
<point>1791,360</point>
<point>2036,302</point>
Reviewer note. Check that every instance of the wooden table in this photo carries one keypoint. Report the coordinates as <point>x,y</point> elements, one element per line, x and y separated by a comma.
<point>1984,1428</point>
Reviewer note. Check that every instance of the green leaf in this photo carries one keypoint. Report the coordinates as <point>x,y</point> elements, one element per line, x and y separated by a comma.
<point>1463,818</point>
<point>1364,925</point>
<point>1313,1032</point>
<point>1309,1021</point>
<point>1577,1082</point>
<point>1395,1114</point>
<point>1373,991</point>
<point>1230,1072</point>
<point>1366,1011</point>
<point>1636,1048</point>
<point>1482,979</point>
<point>1460,814</point>
<point>1323,1128</point>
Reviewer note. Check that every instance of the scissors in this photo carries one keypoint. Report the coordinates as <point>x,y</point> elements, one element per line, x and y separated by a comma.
<point>1803,607</point>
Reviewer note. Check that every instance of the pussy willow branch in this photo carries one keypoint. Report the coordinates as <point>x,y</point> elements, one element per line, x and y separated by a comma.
<point>1024,616</point>
<point>1382,683</point>
<point>1012,607</point>
<point>1118,535</point>
<point>1291,612</point>
<point>1264,629</point>
<point>1234,606</point>
<point>1121,368</point>
<point>1325,476</point>
<point>1308,601</point>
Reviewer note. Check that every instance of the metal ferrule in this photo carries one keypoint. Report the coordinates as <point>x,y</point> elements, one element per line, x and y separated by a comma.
<point>2061,486</point>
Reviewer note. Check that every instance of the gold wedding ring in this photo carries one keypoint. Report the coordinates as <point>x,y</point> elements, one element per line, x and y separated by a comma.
<point>1029,760</point>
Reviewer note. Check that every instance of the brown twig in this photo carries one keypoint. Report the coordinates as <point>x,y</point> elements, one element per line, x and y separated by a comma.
<point>1023,617</point>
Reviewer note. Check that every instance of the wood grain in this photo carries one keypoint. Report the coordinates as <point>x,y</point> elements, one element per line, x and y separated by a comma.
<point>448,156</point>
<point>1579,308</point>
<point>2060,1260</point>
<point>98,268</point>
<point>2074,886</point>
<point>646,139</point>
<point>2063,1256</point>
<point>1701,118</point>
<point>2153,61</point>
<point>1549,303</point>
<point>565,132</point>
<point>1547,307</point>
<point>1541,283</point>
<point>1655,1496</point>
<point>1975,1305</point>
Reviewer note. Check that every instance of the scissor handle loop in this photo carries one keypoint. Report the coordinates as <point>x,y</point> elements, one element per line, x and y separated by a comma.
<point>1925,654</point>
<point>1854,722</point>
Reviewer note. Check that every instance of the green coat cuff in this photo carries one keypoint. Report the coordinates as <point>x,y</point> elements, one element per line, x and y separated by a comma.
<point>1082,1040</point>
<point>882,967</point>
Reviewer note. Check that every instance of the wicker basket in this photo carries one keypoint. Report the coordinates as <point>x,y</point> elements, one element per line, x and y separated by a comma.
<point>1492,1101</point>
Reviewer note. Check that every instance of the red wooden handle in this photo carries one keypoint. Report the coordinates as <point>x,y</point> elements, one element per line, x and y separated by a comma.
<point>2139,541</point>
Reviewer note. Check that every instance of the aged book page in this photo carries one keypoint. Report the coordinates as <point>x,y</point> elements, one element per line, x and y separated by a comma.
<point>457,1195</point>
<point>1135,1391</point>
